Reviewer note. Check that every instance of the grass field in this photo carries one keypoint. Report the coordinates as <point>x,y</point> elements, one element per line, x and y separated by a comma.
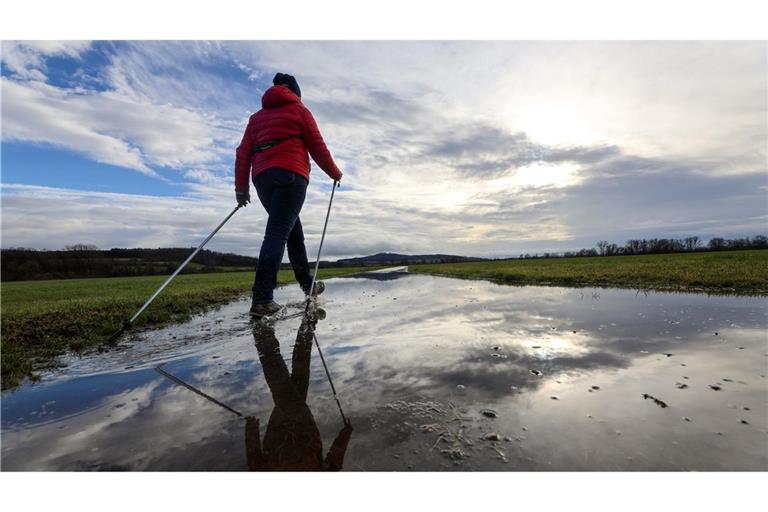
<point>43,319</point>
<point>741,272</point>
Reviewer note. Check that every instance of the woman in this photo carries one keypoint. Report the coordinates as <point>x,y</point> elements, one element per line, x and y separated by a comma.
<point>274,152</point>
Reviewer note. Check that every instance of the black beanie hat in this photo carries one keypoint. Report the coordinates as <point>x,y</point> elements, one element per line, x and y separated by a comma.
<point>288,81</point>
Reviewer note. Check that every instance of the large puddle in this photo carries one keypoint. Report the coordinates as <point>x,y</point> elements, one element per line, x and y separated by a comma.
<point>433,373</point>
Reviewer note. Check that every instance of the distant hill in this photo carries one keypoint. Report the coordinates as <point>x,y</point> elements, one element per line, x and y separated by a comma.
<point>28,264</point>
<point>82,261</point>
<point>389,258</point>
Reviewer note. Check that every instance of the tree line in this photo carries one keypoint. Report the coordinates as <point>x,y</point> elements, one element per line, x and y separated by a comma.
<point>659,246</point>
<point>82,260</point>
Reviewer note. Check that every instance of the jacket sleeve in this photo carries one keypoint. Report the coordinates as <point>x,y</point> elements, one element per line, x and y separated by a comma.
<point>243,159</point>
<point>316,145</point>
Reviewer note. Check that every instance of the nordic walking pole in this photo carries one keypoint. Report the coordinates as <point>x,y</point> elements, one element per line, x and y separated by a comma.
<point>322,239</point>
<point>309,301</point>
<point>330,380</point>
<point>127,324</point>
<point>190,387</point>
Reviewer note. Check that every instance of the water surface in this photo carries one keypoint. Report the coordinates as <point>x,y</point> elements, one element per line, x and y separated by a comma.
<point>433,374</point>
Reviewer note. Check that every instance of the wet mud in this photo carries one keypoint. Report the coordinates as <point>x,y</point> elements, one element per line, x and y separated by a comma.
<point>452,375</point>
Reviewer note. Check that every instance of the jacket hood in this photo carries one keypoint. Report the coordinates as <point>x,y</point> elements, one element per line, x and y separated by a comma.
<point>277,96</point>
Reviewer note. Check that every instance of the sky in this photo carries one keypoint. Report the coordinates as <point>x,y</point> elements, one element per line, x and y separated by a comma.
<point>475,148</point>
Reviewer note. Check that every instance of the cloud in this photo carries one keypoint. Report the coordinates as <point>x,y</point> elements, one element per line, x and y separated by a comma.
<point>631,198</point>
<point>134,128</point>
<point>674,99</point>
<point>477,148</point>
<point>26,59</point>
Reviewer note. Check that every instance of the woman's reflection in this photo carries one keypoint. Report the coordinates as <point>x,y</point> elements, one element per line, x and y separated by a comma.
<point>292,441</point>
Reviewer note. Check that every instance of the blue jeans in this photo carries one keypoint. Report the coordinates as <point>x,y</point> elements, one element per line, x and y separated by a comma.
<point>282,194</point>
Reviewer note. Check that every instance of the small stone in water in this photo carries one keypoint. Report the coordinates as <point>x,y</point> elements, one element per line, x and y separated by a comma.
<point>536,346</point>
<point>489,413</point>
<point>491,436</point>
<point>686,418</point>
<point>460,387</point>
<point>595,387</point>
<point>744,422</point>
<point>715,387</point>
<point>535,372</point>
<point>455,455</point>
<point>496,348</point>
<point>680,385</point>
<point>657,401</point>
<point>553,397</point>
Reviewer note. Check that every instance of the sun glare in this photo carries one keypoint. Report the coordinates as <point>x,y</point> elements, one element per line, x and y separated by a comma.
<point>556,125</point>
<point>545,175</point>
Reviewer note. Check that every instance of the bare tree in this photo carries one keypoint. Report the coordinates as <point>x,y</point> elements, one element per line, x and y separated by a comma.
<point>81,247</point>
<point>692,243</point>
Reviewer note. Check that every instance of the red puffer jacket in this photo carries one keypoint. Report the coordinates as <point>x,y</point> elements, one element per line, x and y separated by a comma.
<point>282,116</point>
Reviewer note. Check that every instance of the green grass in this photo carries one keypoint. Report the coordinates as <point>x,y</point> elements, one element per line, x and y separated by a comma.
<point>740,272</point>
<point>43,319</point>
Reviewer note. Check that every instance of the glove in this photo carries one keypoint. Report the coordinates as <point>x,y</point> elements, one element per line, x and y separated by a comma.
<point>243,197</point>
<point>338,177</point>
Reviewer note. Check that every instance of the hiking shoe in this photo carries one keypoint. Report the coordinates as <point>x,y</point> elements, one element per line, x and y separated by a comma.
<point>266,309</point>
<point>319,288</point>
